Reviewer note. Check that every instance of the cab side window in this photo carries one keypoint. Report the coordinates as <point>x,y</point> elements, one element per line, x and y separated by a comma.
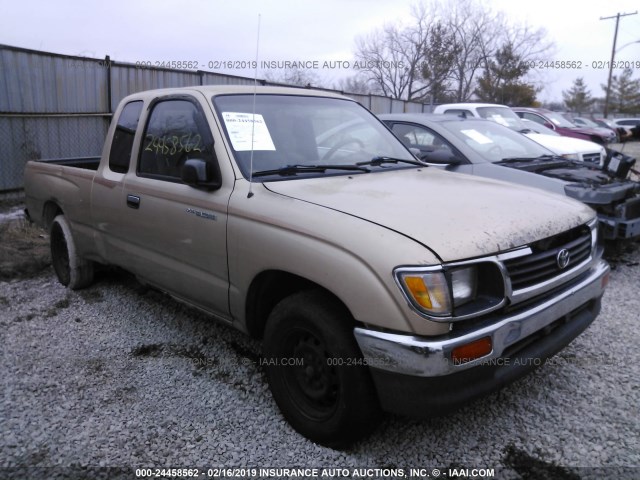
<point>414,136</point>
<point>122,145</point>
<point>533,117</point>
<point>460,112</point>
<point>176,132</point>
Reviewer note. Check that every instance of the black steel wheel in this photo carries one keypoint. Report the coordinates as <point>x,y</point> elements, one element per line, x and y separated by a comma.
<point>315,370</point>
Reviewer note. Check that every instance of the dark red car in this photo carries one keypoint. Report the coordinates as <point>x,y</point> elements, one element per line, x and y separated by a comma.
<point>557,122</point>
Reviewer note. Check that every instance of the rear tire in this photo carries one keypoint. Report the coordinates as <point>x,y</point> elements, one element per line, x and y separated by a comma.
<point>72,270</point>
<point>327,395</point>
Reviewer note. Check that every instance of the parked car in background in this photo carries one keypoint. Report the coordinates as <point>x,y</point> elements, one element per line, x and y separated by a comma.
<point>560,124</point>
<point>588,123</point>
<point>584,148</point>
<point>633,124</point>
<point>570,148</point>
<point>623,132</point>
<point>481,147</point>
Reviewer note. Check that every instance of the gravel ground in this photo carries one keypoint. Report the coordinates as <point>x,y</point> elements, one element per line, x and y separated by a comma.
<point>116,375</point>
<point>120,376</point>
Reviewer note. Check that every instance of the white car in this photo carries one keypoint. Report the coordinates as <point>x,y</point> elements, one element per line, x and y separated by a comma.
<point>629,124</point>
<point>571,148</point>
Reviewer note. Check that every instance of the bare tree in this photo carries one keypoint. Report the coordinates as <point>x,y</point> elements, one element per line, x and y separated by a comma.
<point>389,57</point>
<point>476,30</point>
<point>294,76</point>
<point>408,61</point>
<point>444,50</point>
<point>356,84</point>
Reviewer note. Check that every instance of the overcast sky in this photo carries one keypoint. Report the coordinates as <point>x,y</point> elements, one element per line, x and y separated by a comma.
<point>319,30</point>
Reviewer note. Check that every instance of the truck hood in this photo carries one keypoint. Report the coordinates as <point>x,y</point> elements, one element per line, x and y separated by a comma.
<point>457,216</point>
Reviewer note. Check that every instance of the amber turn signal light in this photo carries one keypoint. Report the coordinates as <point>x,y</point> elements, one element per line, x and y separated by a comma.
<point>471,351</point>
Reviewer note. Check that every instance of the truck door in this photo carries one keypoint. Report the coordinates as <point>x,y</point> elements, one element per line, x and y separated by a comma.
<point>175,234</point>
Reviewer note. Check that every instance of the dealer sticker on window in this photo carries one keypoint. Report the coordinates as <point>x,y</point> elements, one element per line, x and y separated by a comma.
<point>241,127</point>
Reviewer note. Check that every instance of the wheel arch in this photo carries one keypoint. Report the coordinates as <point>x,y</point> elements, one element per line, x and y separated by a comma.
<point>270,287</point>
<point>50,210</point>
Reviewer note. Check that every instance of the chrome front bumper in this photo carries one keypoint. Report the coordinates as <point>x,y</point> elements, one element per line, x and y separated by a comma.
<point>424,357</point>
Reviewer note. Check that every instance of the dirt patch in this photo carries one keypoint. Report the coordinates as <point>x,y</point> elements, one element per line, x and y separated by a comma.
<point>91,295</point>
<point>58,307</point>
<point>24,250</point>
<point>531,468</point>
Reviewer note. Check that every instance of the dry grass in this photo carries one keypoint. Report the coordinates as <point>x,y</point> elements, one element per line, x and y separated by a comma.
<point>24,250</point>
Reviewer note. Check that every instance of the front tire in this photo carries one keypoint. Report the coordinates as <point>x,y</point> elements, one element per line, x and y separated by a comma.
<point>72,270</point>
<point>315,370</point>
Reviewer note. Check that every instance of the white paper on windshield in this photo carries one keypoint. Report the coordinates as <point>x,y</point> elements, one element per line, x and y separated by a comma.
<point>477,136</point>
<point>240,127</point>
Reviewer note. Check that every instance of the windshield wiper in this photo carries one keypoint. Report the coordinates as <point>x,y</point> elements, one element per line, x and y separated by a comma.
<point>377,161</point>
<point>528,159</point>
<point>290,170</point>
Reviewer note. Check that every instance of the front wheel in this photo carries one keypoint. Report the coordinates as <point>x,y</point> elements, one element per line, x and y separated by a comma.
<point>72,270</point>
<point>315,370</point>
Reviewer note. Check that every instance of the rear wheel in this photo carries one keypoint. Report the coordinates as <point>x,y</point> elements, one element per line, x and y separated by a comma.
<point>315,370</point>
<point>72,270</point>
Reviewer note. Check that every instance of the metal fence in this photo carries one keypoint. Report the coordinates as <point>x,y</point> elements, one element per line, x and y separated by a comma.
<point>54,105</point>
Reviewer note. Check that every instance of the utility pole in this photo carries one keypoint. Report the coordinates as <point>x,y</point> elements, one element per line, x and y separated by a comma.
<point>613,56</point>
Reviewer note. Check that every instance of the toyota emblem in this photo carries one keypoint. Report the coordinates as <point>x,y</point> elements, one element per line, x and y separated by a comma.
<point>562,259</point>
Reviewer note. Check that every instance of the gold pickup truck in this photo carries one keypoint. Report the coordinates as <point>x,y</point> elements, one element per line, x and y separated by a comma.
<point>375,281</point>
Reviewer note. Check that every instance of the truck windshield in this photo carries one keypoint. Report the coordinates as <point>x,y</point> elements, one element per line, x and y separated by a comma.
<point>502,115</point>
<point>494,142</point>
<point>305,131</point>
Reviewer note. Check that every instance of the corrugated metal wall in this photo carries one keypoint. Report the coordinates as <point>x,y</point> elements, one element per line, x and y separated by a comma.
<point>55,105</point>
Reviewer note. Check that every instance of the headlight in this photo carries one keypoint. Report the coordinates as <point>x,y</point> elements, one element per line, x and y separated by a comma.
<point>435,293</point>
<point>464,283</point>
<point>571,156</point>
<point>454,291</point>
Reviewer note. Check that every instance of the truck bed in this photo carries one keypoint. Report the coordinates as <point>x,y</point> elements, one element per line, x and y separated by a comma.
<point>59,181</point>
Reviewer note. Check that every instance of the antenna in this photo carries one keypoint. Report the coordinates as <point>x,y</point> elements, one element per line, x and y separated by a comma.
<point>253,114</point>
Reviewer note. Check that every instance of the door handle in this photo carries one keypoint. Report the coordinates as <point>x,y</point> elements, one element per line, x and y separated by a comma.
<point>133,201</point>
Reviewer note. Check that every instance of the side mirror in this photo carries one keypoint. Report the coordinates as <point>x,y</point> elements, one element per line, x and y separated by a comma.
<point>198,173</point>
<point>549,125</point>
<point>445,157</point>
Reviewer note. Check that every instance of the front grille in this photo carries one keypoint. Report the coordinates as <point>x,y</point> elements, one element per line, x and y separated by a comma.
<point>542,263</point>
<point>591,157</point>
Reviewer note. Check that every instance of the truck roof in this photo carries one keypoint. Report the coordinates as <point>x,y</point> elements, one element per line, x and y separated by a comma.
<point>213,90</point>
<point>467,105</point>
<point>431,117</point>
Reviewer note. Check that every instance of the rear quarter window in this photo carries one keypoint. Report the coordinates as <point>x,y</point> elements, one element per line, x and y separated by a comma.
<point>122,144</point>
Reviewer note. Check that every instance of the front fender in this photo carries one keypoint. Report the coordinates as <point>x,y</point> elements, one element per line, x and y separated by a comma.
<point>350,257</point>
